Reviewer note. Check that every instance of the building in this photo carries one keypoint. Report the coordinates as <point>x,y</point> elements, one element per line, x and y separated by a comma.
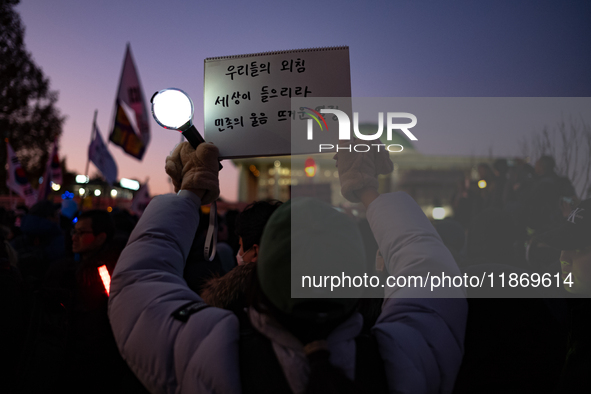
<point>431,180</point>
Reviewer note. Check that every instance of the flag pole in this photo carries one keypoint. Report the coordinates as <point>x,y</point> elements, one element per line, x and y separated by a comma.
<point>91,139</point>
<point>114,118</point>
<point>88,160</point>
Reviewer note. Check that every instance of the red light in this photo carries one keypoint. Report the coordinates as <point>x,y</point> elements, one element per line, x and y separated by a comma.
<point>105,277</point>
<point>310,167</point>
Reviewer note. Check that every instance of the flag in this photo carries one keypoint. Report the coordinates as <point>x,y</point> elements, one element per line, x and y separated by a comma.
<point>53,173</point>
<point>141,199</point>
<point>17,179</point>
<point>133,135</point>
<point>123,134</point>
<point>101,158</point>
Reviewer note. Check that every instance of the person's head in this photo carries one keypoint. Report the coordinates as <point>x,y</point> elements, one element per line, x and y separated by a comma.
<point>577,264</point>
<point>485,172</point>
<point>20,212</point>
<point>545,165</point>
<point>541,256</point>
<point>93,229</point>
<point>308,238</point>
<point>250,224</point>
<point>573,238</point>
<point>46,210</point>
<point>501,167</point>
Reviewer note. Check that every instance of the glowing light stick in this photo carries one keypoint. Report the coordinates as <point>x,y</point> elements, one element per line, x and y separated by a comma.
<point>173,109</point>
<point>105,277</point>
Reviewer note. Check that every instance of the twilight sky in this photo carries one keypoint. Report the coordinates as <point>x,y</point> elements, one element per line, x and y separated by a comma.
<point>397,49</point>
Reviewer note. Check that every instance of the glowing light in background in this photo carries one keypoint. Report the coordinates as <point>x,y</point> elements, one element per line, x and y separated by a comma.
<point>97,192</point>
<point>129,184</point>
<point>55,186</point>
<point>81,179</point>
<point>482,183</point>
<point>310,167</point>
<point>438,213</point>
<point>254,170</point>
<point>105,277</point>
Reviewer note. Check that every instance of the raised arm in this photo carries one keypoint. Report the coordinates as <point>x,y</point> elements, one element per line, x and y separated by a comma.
<point>420,332</point>
<point>421,338</point>
<point>167,353</point>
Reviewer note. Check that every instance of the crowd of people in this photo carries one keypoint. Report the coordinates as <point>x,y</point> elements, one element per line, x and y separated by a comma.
<point>108,302</point>
<point>519,221</point>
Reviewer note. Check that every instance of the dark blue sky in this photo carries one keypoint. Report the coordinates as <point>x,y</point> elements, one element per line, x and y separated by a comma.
<point>397,49</point>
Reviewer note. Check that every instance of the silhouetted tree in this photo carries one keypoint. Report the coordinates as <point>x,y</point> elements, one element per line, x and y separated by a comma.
<point>28,116</point>
<point>569,143</point>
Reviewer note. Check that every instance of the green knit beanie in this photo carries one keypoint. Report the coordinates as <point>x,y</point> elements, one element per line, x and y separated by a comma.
<point>306,238</point>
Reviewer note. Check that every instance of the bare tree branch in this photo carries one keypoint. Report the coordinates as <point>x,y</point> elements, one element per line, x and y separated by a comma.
<point>569,143</point>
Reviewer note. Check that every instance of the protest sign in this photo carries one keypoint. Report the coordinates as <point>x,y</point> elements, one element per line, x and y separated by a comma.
<point>247,98</point>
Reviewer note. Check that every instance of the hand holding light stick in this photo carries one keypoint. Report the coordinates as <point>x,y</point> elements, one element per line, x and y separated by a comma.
<point>173,109</point>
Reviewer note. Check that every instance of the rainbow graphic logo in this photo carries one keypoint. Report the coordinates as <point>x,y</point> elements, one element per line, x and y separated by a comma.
<point>311,114</point>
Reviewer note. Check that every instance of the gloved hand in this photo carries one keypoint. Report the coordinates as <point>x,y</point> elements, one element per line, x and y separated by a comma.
<point>195,170</point>
<point>360,170</point>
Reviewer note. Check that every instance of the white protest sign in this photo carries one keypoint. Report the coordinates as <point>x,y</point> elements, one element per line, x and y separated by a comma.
<point>247,98</point>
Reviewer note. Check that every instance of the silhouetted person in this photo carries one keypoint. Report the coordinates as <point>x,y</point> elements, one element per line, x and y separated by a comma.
<point>14,311</point>
<point>573,238</point>
<point>229,291</point>
<point>41,243</point>
<point>544,200</point>
<point>70,346</point>
<point>175,342</point>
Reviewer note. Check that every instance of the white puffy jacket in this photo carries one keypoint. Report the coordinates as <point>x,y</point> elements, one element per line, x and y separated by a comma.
<point>420,339</point>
